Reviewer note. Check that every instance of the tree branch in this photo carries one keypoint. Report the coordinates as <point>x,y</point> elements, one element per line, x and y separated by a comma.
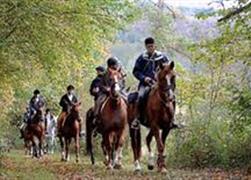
<point>165,6</point>
<point>233,13</point>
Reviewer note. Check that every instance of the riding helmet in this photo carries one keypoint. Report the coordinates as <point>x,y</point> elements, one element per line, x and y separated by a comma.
<point>112,61</point>
<point>36,92</point>
<point>100,68</point>
<point>70,87</point>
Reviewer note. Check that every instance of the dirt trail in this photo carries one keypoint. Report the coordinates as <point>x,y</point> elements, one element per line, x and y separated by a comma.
<point>18,166</point>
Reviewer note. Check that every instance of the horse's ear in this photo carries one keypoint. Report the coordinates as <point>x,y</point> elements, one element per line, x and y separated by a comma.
<point>171,65</point>
<point>161,65</point>
<point>128,89</point>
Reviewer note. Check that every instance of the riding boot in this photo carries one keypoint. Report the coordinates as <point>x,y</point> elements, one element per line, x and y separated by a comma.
<point>140,109</point>
<point>22,134</point>
<point>22,127</point>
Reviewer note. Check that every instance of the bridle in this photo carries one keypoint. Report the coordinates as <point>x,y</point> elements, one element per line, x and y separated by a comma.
<point>166,93</point>
<point>115,88</point>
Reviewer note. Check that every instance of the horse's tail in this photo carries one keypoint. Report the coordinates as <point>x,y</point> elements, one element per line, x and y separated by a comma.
<point>89,133</point>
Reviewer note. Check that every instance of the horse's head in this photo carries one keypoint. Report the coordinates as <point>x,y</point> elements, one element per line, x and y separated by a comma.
<point>76,107</point>
<point>38,116</point>
<point>166,79</point>
<point>115,77</point>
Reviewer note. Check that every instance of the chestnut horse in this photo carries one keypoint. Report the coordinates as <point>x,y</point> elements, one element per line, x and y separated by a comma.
<point>27,142</point>
<point>35,134</point>
<point>112,126</point>
<point>159,113</point>
<point>70,129</point>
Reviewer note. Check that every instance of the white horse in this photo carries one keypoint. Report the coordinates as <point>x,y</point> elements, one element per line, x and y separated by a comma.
<point>50,137</point>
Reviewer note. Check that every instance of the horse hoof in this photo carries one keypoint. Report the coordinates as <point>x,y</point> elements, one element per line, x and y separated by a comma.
<point>105,163</point>
<point>163,170</point>
<point>109,167</point>
<point>150,167</point>
<point>117,166</point>
<point>138,170</point>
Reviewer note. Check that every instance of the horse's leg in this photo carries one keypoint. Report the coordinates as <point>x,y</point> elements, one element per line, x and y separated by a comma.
<point>103,145</point>
<point>135,136</point>
<point>89,134</point>
<point>52,143</point>
<point>62,144</point>
<point>151,155</point>
<point>40,147</point>
<point>67,144</point>
<point>77,147</point>
<point>34,146</point>
<point>41,140</point>
<point>41,144</point>
<point>48,144</point>
<point>118,150</point>
<point>160,160</point>
<point>164,135</point>
<point>108,147</point>
<point>30,148</point>
<point>34,152</point>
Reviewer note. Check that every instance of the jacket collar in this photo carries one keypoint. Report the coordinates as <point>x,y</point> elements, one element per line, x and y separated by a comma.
<point>157,55</point>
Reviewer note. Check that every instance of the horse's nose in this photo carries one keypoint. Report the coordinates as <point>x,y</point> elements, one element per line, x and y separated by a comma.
<point>171,94</point>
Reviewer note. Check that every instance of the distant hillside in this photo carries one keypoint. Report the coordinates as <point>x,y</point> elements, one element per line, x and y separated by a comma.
<point>129,44</point>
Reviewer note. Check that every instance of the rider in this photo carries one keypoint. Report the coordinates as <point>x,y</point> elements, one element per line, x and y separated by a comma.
<point>50,120</point>
<point>95,85</point>
<point>25,121</point>
<point>66,102</point>
<point>112,64</point>
<point>36,104</point>
<point>145,69</point>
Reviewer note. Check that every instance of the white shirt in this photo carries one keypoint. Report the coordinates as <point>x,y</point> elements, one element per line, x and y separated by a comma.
<point>70,96</point>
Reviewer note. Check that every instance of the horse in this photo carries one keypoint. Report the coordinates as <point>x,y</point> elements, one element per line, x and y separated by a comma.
<point>112,126</point>
<point>159,113</point>
<point>71,129</point>
<point>50,136</point>
<point>27,142</point>
<point>35,134</point>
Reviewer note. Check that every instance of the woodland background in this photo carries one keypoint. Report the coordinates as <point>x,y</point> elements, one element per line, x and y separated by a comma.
<point>48,44</point>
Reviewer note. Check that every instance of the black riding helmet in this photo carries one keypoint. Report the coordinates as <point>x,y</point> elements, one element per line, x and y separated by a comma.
<point>112,62</point>
<point>70,87</point>
<point>100,68</point>
<point>36,92</point>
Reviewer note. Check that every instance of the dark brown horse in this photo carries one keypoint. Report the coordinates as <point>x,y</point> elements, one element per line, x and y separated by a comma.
<point>113,124</point>
<point>27,142</point>
<point>70,129</point>
<point>159,113</point>
<point>35,133</point>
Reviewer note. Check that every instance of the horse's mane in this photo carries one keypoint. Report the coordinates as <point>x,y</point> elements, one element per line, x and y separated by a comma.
<point>37,117</point>
<point>73,115</point>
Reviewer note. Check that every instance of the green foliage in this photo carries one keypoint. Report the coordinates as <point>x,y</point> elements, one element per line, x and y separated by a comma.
<point>48,44</point>
<point>213,96</point>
